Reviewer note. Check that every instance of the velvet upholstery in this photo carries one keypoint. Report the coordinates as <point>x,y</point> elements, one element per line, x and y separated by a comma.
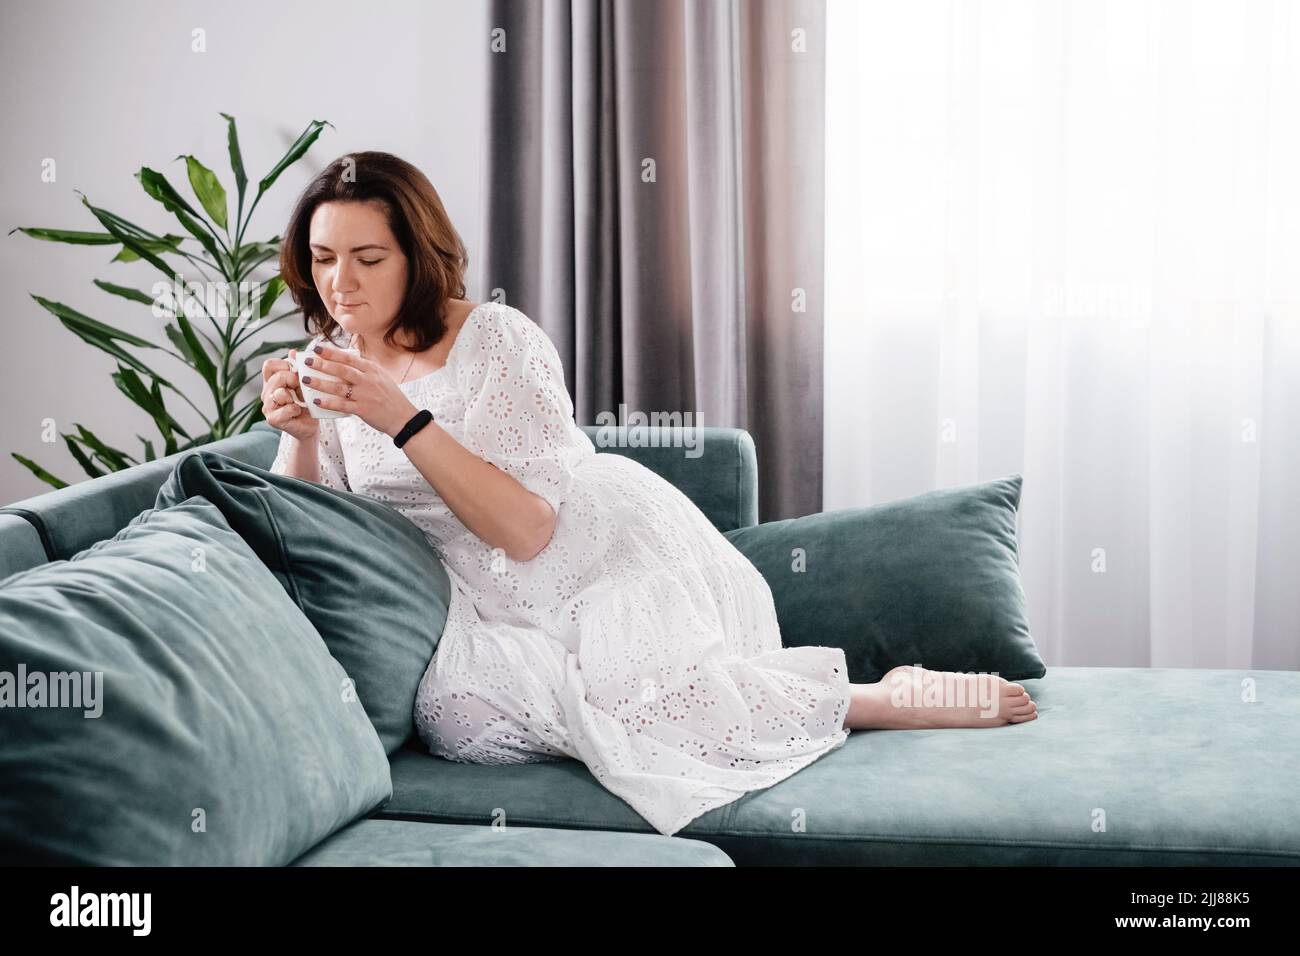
<point>932,580</point>
<point>404,843</point>
<point>1124,765</point>
<point>215,732</point>
<point>363,573</point>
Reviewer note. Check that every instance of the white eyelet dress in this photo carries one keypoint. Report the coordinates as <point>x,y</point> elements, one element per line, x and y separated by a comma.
<point>639,641</point>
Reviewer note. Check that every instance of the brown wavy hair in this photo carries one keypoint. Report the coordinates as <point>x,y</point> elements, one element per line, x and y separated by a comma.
<point>435,255</point>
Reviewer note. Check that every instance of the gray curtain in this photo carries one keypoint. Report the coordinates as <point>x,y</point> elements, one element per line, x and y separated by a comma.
<point>654,200</point>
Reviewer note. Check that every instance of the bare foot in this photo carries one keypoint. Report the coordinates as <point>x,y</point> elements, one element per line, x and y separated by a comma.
<point>915,697</point>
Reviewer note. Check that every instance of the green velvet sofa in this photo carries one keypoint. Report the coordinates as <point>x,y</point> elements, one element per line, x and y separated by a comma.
<point>1123,767</point>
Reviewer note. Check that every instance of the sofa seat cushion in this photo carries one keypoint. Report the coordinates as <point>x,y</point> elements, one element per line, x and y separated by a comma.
<point>407,843</point>
<point>1124,766</point>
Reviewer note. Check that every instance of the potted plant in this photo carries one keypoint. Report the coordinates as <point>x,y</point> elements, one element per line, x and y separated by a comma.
<point>211,300</point>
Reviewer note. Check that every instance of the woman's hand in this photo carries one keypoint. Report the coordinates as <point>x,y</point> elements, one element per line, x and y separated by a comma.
<point>376,398</point>
<point>279,385</point>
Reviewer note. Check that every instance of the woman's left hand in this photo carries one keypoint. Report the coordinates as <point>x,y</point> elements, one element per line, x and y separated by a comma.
<point>376,398</point>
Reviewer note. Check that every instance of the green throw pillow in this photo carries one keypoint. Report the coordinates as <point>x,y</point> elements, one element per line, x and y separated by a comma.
<point>363,573</point>
<point>163,703</point>
<point>932,580</point>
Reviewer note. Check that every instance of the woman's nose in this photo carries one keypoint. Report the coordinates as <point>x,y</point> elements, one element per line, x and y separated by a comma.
<point>345,278</point>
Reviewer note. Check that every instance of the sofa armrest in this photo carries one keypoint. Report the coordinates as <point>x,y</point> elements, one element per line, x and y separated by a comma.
<point>71,519</point>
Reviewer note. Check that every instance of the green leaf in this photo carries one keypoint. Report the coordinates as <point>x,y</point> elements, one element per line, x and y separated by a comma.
<point>274,289</point>
<point>295,153</point>
<point>211,194</point>
<point>253,254</point>
<point>178,340</point>
<point>196,441</point>
<point>79,323</point>
<point>132,237</point>
<point>38,471</point>
<point>237,420</point>
<point>197,353</point>
<point>115,224</point>
<point>168,243</point>
<point>151,401</point>
<point>135,295</point>
<point>193,351</point>
<point>274,348</point>
<point>171,425</point>
<point>157,186</point>
<point>116,460</point>
<point>238,377</point>
<point>86,464</point>
<point>67,235</point>
<point>236,158</point>
<point>149,453</point>
<point>101,336</point>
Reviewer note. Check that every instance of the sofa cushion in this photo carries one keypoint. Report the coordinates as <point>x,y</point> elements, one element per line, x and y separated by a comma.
<point>214,730</point>
<point>1124,766</point>
<point>361,571</point>
<point>932,580</point>
<point>408,843</point>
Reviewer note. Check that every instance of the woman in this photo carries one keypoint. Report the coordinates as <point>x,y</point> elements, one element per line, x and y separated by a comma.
<point>596,613</point>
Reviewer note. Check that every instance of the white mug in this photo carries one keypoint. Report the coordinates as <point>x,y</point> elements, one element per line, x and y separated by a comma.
<point>309,393</point>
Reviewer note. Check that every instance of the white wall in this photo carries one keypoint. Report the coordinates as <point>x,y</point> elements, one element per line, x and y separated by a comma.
<point>104,88</point>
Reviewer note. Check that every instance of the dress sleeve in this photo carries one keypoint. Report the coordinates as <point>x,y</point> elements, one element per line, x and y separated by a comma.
<point>518,413</point>
<point>329,455</point>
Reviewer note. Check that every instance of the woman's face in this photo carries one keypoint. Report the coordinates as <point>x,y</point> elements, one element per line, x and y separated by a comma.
<point>357,265</point>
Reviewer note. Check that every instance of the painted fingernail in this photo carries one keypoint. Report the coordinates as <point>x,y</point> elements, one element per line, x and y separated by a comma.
<point>308,360</point>
<point>307,379</point>
<point>318,349</point>
<point>316,400</point>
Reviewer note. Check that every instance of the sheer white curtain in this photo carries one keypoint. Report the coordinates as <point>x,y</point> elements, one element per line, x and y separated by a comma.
<point>1063,239</point>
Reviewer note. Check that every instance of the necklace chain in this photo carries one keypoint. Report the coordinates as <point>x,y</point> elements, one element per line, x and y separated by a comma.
<point>408,366</point>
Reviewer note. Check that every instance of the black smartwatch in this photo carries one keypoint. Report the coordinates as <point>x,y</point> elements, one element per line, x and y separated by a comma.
<point>418,421</point>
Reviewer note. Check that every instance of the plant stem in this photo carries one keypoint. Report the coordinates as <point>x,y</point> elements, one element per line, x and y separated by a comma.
<point>244,336</point>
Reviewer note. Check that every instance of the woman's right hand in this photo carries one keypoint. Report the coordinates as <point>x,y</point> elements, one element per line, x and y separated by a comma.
<point>279,385</point>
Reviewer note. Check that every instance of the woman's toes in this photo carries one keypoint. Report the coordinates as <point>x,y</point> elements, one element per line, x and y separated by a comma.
<point>1014,699</point>
<point>1023,708</point>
